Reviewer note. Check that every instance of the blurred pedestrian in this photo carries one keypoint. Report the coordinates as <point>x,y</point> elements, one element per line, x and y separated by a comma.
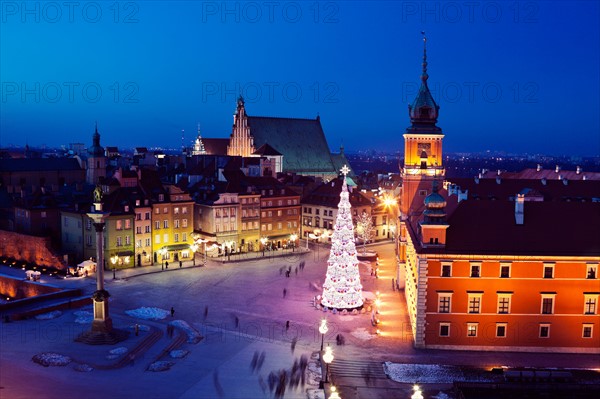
<point>137,329</point>
<point>284,292</point>
<point>172,311</point>
<point>205,312</point>
<point>180,264</point>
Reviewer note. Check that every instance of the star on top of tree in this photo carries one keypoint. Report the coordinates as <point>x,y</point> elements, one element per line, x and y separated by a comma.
<point>345,170</point>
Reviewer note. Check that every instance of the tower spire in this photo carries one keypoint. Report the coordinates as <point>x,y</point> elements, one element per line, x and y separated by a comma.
<point>424,75</point>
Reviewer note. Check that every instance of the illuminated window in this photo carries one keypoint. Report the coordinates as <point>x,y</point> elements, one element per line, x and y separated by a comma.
<point>119,225</point>
<point>590,304</point>
<point>474,303</point>
<point>472,329</point>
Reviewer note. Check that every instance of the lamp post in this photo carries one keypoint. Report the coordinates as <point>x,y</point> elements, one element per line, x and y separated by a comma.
<point>323,330</point>
<point>263,241</point>
<point>293,239</point>
<point>334,394</point>
<point>194,248</point>
<point>113,260</point>
<point>327,358</point>
<point>417,394</point>
<point>163,253</point>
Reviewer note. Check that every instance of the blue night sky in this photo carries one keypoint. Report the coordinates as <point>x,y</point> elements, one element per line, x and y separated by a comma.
<point>508,76</point>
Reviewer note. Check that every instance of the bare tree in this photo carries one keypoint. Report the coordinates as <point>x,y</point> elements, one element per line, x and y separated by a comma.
<point>364,228</point>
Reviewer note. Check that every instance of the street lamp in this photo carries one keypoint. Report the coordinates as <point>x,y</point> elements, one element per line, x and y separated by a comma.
<point>114,260</point>
<point>323,330</point>
<point>163,253</point>
<point>293,238</point>
<point>327,358</point>
<point>334,394</point>
<point>263,241</point>
<point>194,248</point>
<point>417,394</point>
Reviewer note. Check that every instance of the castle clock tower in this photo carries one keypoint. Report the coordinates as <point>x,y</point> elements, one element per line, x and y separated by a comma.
<point>422,147</point>
<point>422,155</point>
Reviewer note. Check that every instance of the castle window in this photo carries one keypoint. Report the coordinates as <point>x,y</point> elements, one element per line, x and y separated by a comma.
<point>444,302</point>
<point>590,304</point>
<point>472,329</point>
<point>587,331</point>
<point>544,330</point>
<point>446,270</point>
<point>500,330</point>
<point>592,271</point>
<point>504,271</point>
<point>444,329</point>
<point>474,303</point>
<point>475,270</point>
<point>503,303</point>
<point>548,303</point>
<point>548,271</point>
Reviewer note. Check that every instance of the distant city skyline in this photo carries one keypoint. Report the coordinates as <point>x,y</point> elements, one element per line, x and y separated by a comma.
<point>519,77</point>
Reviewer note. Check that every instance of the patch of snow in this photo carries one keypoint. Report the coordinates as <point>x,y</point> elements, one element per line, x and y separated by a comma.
<point>86,368</point>
<point>50,315</point>
<point>178,353</point>
<point>112,357</point>
<point>118,351</point>
<point>148,313</point>
<point>313,373</point>
<point>363,334</point>
<point>51,359</point>
<point>423,373</point>
<point>160,366</point>
<point>441,395</point>
<point>83,316</point>
<point>315,394</point>
<point>193,336</point>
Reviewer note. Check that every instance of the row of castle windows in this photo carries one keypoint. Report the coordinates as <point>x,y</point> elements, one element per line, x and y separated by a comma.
<point>502,330</point>
<point>504,301</point>
<point>548,272</point>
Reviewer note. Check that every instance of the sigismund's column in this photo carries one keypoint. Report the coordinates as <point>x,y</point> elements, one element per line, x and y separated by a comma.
<point>102,321</point>
<point>102,331</point>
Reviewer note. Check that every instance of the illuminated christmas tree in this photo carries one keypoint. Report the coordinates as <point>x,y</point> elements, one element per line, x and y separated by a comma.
<point>342,288</point>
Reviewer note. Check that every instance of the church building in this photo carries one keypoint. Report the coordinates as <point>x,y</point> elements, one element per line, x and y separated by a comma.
<point>295,145</point>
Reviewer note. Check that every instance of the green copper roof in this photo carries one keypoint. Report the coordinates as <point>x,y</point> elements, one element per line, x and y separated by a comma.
<point>301,141</point>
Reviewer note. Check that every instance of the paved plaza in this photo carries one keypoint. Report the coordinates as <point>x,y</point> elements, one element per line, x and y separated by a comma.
<point>240,308</point>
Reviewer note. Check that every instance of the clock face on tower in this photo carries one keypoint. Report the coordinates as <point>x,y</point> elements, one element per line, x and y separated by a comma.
<point>424,147</point>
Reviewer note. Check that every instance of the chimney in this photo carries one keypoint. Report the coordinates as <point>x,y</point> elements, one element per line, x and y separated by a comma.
<point>578,171</point>
<point>519,208</point>
<point>557,168</point>
<point>539,167</point>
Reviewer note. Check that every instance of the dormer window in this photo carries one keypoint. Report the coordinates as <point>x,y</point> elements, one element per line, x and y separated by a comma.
<point>161,197</point>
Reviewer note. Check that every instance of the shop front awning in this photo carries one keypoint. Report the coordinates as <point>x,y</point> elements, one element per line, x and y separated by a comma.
<point>177,247</point>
